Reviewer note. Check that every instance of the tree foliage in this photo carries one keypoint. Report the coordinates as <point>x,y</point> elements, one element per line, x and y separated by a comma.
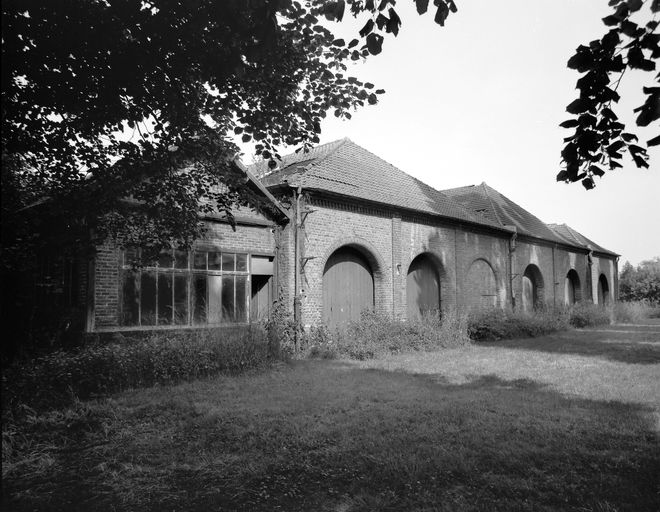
<point>105,100</point>
<point>599,139</point>
<point>641,282</point>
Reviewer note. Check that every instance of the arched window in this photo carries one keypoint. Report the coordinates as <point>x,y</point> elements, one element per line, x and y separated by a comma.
<point>422,287</point>
<point>603,290</point>
<point>481,285</point>
<point>532,288</point>
<point>572,290</point>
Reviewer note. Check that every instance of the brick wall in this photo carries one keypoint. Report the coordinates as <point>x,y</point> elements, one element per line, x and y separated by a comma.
<point>420,236</point>
<point>609,268</point>
<point>332,225</point>
<point>482,263</point>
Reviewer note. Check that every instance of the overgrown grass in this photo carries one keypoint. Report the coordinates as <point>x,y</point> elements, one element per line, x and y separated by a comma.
<point>497,324</point>
<point>100,368</point>
<point>481,427</point>
<point>635,311</point>
<point>375,335</point>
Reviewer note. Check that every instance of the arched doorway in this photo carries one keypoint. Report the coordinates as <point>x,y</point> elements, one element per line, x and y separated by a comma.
<point>572,290</point>
<point>348,287</point>
<point>422,287</point>
<point>603,290</point>
<point>481,286</point>
<point>532,288</point>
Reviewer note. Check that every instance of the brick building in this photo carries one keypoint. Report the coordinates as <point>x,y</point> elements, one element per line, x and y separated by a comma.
<point>345,231</point>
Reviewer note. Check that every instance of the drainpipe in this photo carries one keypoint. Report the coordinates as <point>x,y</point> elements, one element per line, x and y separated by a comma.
<point>590,261</point>
<point>554,280</point>
<point>512,264</point>
<point>296,268</point>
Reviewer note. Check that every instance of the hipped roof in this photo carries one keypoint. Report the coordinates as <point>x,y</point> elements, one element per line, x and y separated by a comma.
<point>346,169</point>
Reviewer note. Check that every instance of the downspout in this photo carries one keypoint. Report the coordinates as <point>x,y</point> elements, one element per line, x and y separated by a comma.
<point>616,279</point>
<point>512,265</point>
<point>554,280</point>
<point>590,261</point>
<point>296,268</point>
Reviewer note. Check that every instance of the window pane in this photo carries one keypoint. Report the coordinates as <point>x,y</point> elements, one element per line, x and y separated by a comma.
<point>180,299</point>
<point>227,262</point>
<point>165,259</point>
<point>200,260</point>
<point>214,261</point>
<point>165,308</point>
<point>214,311</point>
<point>199,298</point>
<point>228,298</point>
<point>148,298</point>
<point>241,298</point>
<point>130,306</point>
<point>180,259</point>
<point>241,263</point>
<point>131,256</point>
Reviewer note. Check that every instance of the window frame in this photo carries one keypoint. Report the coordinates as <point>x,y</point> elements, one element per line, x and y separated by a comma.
<point>190,272</point>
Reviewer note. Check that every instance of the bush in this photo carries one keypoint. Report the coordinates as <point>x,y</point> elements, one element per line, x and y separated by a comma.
<point>375,335</point>
<point>496,324</point>
<point>586,314</point>
<point>634,311</point>
<point>162,358</point>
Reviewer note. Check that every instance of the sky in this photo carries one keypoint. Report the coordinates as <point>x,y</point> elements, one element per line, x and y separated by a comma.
<point>480,100</point>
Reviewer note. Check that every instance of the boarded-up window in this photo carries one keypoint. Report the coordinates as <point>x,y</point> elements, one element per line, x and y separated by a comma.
<point>422,287</point>
<point>572,291</point>
<point>481,286</point>
<point>532,289</point>
<point>603,290</point>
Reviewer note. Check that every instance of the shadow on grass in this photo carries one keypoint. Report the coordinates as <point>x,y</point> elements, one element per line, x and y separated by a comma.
<point>627,344</point>
<point>331,436</point>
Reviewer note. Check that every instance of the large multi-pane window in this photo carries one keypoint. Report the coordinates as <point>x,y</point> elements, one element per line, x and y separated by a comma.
<point>202,287</point>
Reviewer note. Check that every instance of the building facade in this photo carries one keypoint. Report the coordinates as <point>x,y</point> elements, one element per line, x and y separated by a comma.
<point>347,231</point>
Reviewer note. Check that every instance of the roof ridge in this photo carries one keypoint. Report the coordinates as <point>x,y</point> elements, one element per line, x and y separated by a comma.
<point>573,234</point>
<point>490,200</point>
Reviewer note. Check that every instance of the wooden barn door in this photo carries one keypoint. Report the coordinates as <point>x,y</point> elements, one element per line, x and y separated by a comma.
<point>348,287</point>
<point>422,287</point>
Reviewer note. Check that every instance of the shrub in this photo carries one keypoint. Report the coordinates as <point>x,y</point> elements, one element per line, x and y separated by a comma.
<point>281,331</point>
<point>162,358</point>
<point>496,324</point>
<point>375,335</point>
<point>634,311</point>
<point>586,314</point>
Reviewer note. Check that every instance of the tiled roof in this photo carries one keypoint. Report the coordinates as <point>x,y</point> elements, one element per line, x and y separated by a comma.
<point>342,167</point>
<point>493,205</point>
<point>571,236</point>
<point>489,202</point>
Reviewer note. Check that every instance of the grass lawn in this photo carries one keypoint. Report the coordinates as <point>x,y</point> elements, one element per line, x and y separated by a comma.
<point>565,422</point>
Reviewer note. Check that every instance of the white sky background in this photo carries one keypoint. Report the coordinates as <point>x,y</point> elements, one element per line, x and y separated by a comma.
<point>481,98</point>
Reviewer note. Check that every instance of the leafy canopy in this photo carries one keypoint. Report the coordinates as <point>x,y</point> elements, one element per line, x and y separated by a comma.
<point>599,139</point>
<point>123,113</point>
<point>105,100</point>
<point>641,282</point>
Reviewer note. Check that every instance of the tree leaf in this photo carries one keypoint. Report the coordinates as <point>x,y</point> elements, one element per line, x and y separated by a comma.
<point>374,43</point>
<point>442,13</point>
<point>596,170</point>
<point>570,123</point>
<point>368,27</point>
<point>422,6</point>
<point>654,141</point>
<point>588,183</point>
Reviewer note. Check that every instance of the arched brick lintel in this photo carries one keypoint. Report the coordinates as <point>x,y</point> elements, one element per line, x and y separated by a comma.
<point>435,258</point>
<point>363,246</point>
